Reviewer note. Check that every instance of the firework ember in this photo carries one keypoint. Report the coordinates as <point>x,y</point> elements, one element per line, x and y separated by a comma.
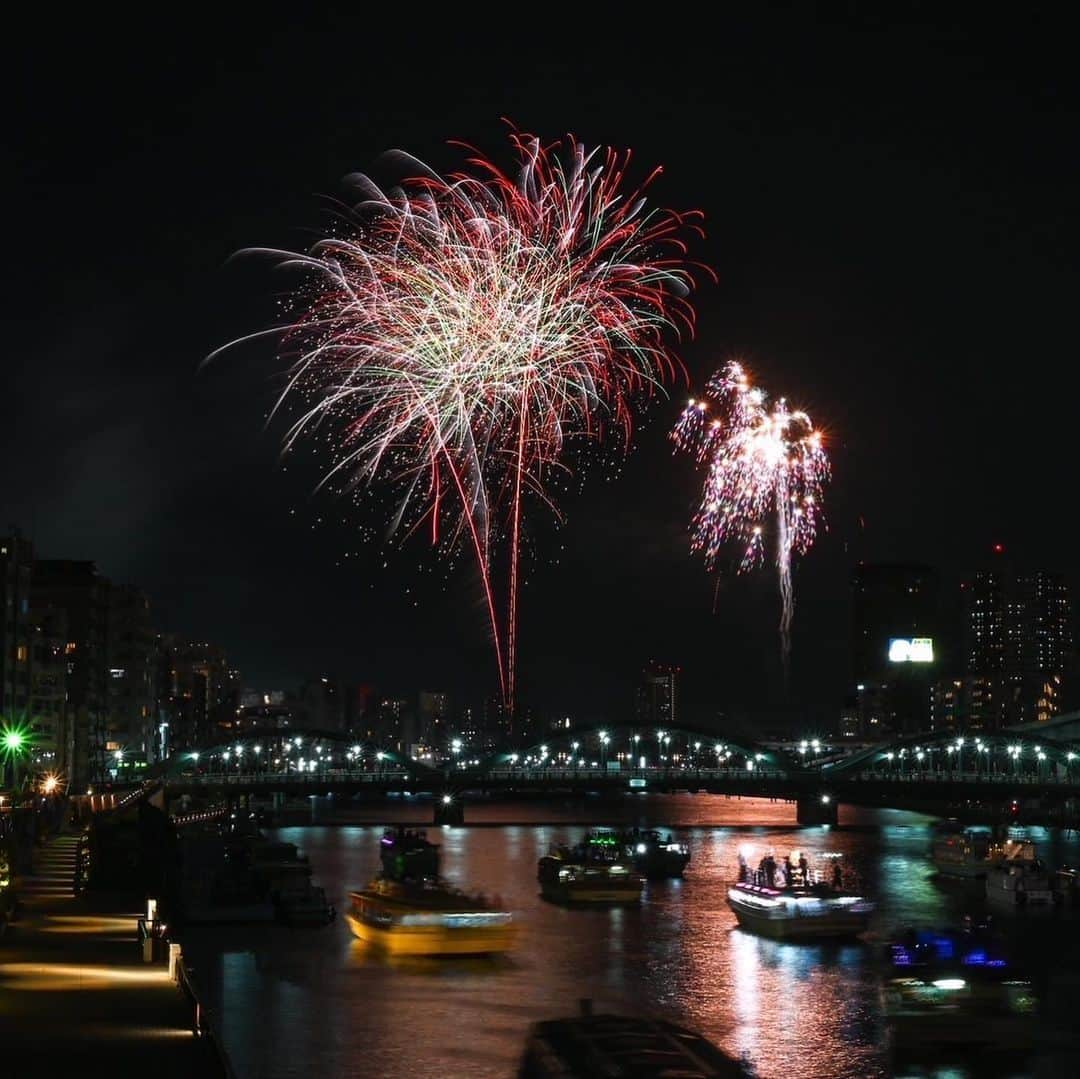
<point>455,336</point>
<point>766,465</point>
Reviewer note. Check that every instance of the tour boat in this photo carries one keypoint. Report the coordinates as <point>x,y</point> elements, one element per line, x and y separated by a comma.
<point>428,917</point>
<point>588,874</point>
<point>967,854</point>
<point>1019,879</point>
<point>653,856</point>
<point>955,987</point>
<point>794,901</point>
<point>411,910</point>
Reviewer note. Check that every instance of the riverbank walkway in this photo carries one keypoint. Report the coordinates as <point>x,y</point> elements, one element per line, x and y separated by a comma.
<point>76,997</point>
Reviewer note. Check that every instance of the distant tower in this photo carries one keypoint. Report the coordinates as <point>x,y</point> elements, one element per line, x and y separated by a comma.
<point>658,694</point>
<point>1018,635</point>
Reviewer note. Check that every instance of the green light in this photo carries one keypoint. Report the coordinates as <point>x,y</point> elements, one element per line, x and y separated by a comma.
<point>14,739</point>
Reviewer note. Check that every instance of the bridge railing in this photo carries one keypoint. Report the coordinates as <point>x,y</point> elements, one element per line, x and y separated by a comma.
<point>273,779</point>
<point>548,774</point>
<point>999,778</point>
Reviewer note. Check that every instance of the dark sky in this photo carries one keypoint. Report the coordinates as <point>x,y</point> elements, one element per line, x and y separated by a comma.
<point>891,209</point>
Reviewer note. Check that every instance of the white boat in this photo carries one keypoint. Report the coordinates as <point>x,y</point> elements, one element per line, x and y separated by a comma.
<point>967,854</point>
<point>1019,879</point>
<point>794,901</point>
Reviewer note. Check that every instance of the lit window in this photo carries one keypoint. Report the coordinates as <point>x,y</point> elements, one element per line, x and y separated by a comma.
<point>20,653</point>
<point>69,648</point>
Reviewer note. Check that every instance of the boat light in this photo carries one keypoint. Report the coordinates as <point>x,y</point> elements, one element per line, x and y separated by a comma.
<point>641,848</point>
<point>950,983</point>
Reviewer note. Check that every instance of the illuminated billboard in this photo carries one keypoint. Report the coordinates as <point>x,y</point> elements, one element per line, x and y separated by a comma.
<point>911,650</point>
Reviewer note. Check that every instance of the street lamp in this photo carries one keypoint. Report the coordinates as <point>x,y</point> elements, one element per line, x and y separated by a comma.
<point>603,749</point>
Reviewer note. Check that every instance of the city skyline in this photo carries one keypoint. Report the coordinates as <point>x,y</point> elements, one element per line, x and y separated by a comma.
<point>168,480</point>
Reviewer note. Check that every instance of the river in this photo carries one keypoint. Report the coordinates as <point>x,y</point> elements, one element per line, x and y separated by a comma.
<point>315,1002</point>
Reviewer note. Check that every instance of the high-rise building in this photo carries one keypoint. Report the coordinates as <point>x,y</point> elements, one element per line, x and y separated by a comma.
<point>53,745</point>
<point>83,594</point>
<point>198,692</point>
<point>892,602</point>
<point>133,724</point>
<point>658,695</point>
<point>16,564</point>
<point>896,645</point>
<point>433,715</point>
<point>1018,636</point>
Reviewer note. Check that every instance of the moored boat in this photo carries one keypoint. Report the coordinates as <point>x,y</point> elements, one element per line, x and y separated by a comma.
<point>968,854</point>
<point>588,873</point>
<point>654,856</point>
<point>795,901</point>
<point>1019,879</point>
<point>589,1045</point>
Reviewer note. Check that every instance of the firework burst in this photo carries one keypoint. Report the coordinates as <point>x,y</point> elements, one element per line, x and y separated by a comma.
<point>453,336</point>
<point>765,464</point>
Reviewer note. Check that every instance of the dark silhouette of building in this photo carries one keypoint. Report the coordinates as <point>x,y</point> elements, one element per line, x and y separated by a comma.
<point>658,696</point>
<point>1018,637</point>
<point>52,748</point>
<point>133,723</point>
<point>198,692</point>
<point>83,594</point>
<point>16,571</point>
<point>896,646</point>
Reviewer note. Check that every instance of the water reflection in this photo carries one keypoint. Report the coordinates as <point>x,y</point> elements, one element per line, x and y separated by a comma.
<point>299,1002</point>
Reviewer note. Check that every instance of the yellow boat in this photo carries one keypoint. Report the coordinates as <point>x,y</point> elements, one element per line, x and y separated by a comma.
<point>428,918</point>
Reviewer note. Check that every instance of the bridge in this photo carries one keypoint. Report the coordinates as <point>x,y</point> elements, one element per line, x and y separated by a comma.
<point>928,771</point>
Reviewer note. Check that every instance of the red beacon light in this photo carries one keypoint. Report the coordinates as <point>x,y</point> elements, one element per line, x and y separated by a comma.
<point>999,548</point>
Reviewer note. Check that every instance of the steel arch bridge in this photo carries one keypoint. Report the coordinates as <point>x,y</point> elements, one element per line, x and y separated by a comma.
<point>1011,751</point>
<point>628,743</point>
<point>287,752</point>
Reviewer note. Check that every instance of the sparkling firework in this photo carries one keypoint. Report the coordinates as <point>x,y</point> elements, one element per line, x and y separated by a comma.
<point>453,336</point>
<point>763,464</point>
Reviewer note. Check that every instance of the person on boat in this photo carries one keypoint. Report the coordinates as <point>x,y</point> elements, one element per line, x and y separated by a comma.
<point>769,865</point>
<point>837,876</point>
<point>804,870</point>
<point>789,871</point>
<point>743,868</point>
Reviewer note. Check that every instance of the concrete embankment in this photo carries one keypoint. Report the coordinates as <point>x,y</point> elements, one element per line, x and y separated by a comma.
<point>77,993</point>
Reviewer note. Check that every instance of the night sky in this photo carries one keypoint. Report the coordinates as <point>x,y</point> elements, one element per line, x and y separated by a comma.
<point>890,206</point>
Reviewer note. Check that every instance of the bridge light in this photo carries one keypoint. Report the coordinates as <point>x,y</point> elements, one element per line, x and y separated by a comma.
<point>455,745</point>
<point>446,799</point>
<point>816,745</point>
<point>298,741</point>
<point>697,746</point>
<point>543,751</point>
<point>1070,756</point>
<point>574,746</point>
<point>825,799</point>
<point>194,756</point>
<point>959,743</point>
<point>602,735</point>
<point>256,750</point>
<point>356,750</point>
<point>119,754</point>
<point>637,738</point>
<point>379,756</point>
<point>749,766</point>
<point>604,739</point>
<point>513,758</point>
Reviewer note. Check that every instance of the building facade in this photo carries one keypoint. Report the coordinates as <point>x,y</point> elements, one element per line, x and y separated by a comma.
<point>1018,638</point>
<point>896,646</point>
<point>16,572</point>
<point>132,727</point>
<point>658,696</point>
<point>53,744</point>
<point>76,588</point>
